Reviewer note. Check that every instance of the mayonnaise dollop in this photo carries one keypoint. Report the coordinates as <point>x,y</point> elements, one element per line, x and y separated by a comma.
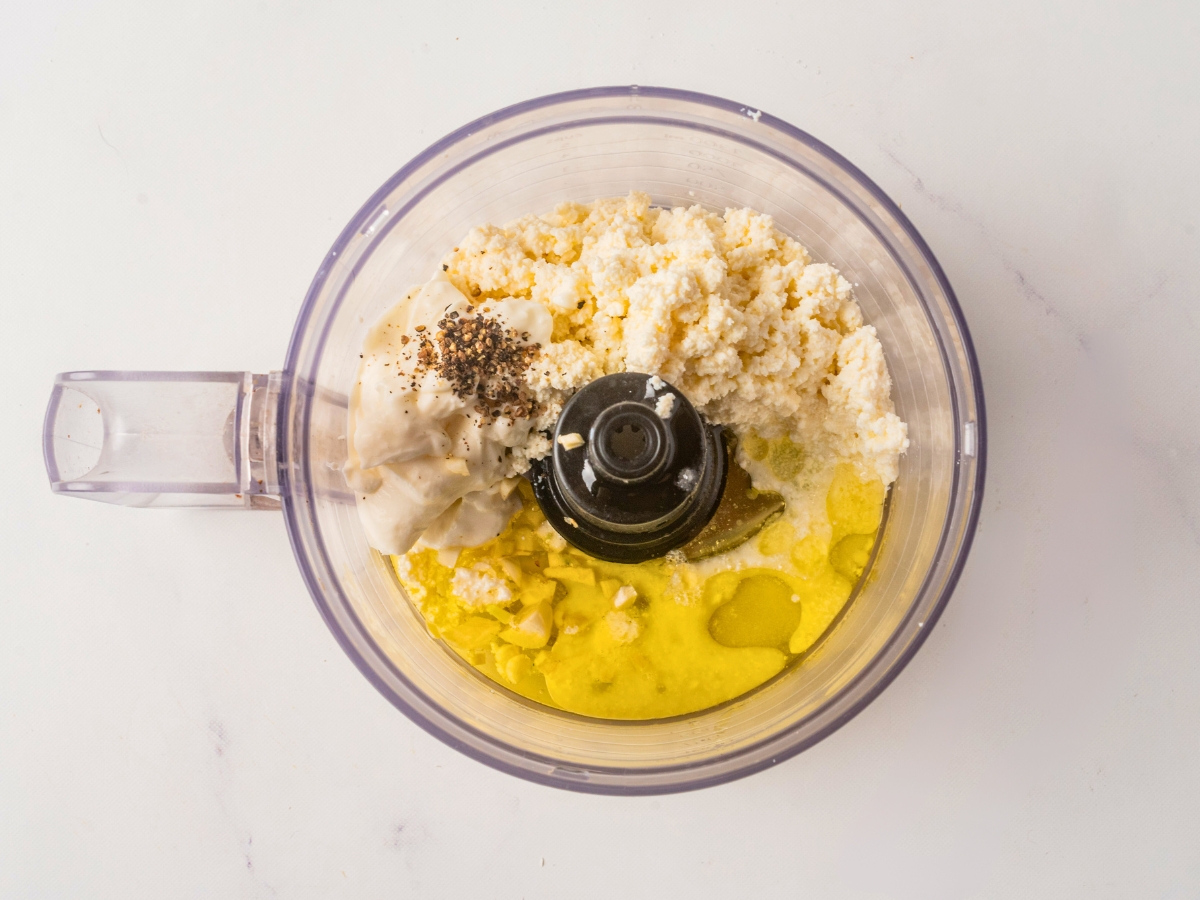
<point>424,462</point>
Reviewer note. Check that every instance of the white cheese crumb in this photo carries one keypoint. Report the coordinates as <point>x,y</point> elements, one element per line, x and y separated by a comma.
<point>686,479</point>
<point>624,629</point>
<point>625,595</point>
<point>654,384</point>
<point>479,586</point>
<point>665,406</point>
<point>570,441</point>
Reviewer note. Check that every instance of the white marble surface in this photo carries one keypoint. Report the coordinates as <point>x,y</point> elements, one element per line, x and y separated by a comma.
<point>176,721</point>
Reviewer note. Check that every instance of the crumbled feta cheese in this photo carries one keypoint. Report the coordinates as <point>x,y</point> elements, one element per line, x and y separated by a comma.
<point>624,629</point>
<point>860,404</point>
<point>479,586</point>
<point>724,306</point>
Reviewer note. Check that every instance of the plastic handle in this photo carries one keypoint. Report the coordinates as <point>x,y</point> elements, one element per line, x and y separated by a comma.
<point>164,438</point>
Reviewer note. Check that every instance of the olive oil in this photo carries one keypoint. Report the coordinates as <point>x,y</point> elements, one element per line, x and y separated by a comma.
<point>656,638</point>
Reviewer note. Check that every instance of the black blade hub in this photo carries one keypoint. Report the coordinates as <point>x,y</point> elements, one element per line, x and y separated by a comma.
<point>640,484</point>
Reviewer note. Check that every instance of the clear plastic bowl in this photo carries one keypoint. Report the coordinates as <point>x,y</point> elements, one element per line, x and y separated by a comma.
<point>681,148</point>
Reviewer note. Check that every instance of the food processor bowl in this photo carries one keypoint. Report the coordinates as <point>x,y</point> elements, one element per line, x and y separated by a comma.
<point>286,436</point>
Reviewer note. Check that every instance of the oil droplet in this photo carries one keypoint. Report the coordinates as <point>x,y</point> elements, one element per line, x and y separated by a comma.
<point>761,614</point>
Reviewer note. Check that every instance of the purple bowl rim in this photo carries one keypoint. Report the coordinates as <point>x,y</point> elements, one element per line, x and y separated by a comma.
<point>292,513</point>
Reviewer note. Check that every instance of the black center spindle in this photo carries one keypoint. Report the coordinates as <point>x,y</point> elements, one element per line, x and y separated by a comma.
<point>641,484</point>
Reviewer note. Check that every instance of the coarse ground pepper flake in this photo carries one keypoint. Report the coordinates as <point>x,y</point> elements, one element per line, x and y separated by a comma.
<point>480,358</point>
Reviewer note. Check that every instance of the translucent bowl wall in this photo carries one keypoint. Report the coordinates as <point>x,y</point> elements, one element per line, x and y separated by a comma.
<point>682,149</point>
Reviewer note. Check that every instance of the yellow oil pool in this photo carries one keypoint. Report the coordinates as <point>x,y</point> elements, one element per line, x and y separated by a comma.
<point>575,636</point>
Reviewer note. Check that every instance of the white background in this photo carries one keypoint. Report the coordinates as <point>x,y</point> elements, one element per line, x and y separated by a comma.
<point>175,719</point>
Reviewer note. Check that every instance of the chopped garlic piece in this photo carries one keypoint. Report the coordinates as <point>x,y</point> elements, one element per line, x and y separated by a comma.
<point>570,441</point>
<point>512,569</point>
<point>530,628</point>
<point>625,595</point>
<point>551,538</point>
